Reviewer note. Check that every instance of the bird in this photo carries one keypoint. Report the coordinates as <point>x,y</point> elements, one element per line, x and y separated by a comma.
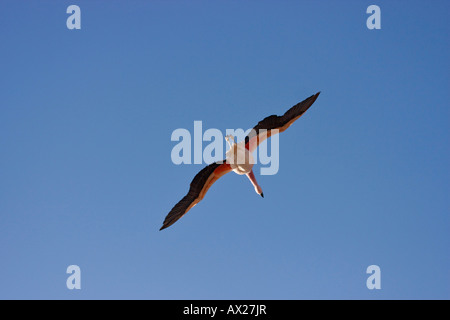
<point>206,177</point>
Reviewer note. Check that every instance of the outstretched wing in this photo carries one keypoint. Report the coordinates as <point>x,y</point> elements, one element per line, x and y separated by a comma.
<point>263,129</point>
<point>199,186</point>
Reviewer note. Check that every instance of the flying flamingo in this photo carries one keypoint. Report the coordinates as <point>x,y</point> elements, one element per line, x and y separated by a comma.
<point>211,173</point>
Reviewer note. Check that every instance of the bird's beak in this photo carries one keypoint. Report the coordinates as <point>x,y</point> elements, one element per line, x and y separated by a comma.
<point>262,194</point>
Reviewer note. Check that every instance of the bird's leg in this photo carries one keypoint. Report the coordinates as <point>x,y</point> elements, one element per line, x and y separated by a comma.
<point>230,140</point>
<point>251,177</point>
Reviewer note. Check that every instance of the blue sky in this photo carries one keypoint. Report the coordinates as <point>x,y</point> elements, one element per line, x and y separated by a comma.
<point>86,176</point>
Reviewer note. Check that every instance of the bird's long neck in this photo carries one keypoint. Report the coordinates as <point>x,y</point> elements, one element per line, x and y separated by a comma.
<point>252,178</point>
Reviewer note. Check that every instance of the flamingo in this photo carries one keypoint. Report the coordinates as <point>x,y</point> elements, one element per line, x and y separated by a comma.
<point>206,177</point>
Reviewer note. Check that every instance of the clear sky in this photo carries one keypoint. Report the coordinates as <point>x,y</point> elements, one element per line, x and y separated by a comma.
<point>86,176</point>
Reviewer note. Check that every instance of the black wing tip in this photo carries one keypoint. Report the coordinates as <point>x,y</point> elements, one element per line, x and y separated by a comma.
<point>167,224</point>
<point>314,96</point>
<point>309,101</point>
